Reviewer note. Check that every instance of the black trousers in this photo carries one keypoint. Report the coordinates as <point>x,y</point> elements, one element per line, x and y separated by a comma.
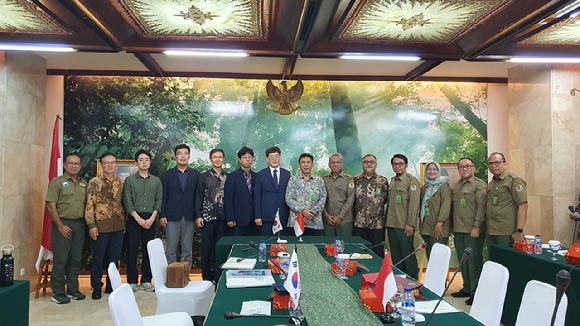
<point>138,236</point>
<point>373,236</point>
<point>210,235</point>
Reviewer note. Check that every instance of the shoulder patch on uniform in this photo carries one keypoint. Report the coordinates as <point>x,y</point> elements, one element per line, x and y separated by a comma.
<point>351,183</point>
<point>65,184</point>
<point>413,186</point>
<point>519,187</point>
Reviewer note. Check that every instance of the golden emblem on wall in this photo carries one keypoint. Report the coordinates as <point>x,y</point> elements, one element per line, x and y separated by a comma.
<point>285,96</point>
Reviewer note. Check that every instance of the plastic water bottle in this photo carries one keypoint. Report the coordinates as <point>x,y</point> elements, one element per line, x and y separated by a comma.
<point>337,246</point>
<point>262,256</point>
<point>408,308</point>
<point>538,244</point>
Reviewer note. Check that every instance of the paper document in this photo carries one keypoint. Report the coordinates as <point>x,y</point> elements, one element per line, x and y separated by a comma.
<point>248,273</point>
<point>256,308</point>
<point>426,307</point>
<point>232,263</point>
<point>249,282</point>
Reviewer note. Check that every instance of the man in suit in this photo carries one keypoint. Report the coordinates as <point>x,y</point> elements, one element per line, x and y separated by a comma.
<point>177,209</point>
<point>239,196</point>
<point>270,193</point>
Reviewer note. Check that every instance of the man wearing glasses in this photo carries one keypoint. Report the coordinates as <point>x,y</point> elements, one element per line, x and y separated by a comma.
<point>469,202</point>
<point>507,203</point>
<point>403,209</point>
<point>65,202</point>
<point>371,191</point>
<point>338,207</point>
<point>105,217</point>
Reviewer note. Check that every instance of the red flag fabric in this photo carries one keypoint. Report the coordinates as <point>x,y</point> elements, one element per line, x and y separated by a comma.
<point>299,225</point>
<point>53,172</point>
<point>386,286</point>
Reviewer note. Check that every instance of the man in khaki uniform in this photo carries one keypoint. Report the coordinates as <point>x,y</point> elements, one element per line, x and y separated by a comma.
<point>338,208</point>
<point>402,212</point>
<point>507,203</point>
<point>65,202</point>
<point>469,197</point>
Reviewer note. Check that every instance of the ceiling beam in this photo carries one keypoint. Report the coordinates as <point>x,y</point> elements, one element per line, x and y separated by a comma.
<point>150,63</point>
<point>422,69</point>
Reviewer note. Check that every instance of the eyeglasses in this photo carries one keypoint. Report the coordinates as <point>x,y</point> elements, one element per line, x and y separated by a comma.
<point>109,163</point>
<point>336,162</point>
<point>182,154</point>
<point>73,163</point>
<point>369,162</point>
<point>432,170</point>
<point>494,164</point>
<point>398,164</point>
<point>465,167</point>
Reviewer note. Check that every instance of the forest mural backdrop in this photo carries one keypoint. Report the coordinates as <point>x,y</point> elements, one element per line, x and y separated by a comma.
<point>423,120</point>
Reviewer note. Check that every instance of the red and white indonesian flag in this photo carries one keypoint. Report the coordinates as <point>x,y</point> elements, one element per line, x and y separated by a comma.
<point>386,286</point>
<point>292,283</point>
<point>277,226</point>
<point>54,171</point>
<point>299,225</point>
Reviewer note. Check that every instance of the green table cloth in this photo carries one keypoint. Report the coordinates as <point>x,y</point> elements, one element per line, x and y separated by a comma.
<point>14,304</point>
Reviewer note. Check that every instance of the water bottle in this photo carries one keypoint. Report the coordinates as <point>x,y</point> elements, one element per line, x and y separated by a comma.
<point>262,256</point>
<point>408,308</point>
<point>284,259</point>
<point>337,246</point>
<point>7,266</point>
<point>538,243</point>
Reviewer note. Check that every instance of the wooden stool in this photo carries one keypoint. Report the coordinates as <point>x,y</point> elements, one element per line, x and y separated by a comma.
<point>43,277</point>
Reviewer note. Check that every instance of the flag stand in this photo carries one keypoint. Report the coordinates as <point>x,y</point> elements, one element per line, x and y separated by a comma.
<point>300,239</point>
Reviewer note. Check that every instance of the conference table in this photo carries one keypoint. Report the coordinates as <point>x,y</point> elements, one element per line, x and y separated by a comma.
<point>226,300</point>
<point>525,267</point>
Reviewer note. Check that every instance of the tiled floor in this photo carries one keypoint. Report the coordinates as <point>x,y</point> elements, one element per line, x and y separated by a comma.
<point>90,312</point>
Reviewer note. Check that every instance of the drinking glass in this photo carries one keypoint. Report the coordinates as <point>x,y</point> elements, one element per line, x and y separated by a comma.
<point>554,247</point>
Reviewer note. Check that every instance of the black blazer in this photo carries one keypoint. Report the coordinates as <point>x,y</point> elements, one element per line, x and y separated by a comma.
<point>268,199</point>
<point>238,200</point>
<point>177,202</point>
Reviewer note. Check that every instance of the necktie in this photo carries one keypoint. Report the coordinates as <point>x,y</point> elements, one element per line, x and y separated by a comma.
<point>248,180</point>
<point>276,179</point>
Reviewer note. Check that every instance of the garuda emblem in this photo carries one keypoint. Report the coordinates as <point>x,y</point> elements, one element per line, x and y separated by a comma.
<point>285,96</point>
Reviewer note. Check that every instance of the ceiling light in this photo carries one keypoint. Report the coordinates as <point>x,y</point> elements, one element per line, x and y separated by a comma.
<point>574,5</point>
<point>545,60</point>
<point>206,53</point>
<point>361,56</point>
<point>39,48</point>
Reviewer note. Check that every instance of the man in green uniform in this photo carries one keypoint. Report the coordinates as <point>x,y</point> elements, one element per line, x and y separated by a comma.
<point>338,208</point>
<point>65,201</point>
<point>402,212</point>
<point>468,222</point>
<point>507,203</point>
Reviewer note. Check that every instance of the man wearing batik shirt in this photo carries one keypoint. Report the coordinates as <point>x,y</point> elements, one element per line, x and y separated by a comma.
<point>371,192</point>
<point>105,217</point>
<point>209,207</point>
<point>306,194</point>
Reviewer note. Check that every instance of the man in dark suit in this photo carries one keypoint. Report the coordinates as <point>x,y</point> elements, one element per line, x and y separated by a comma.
<point>270,193</point>
<point>239,196</point>
<point>177,210</point>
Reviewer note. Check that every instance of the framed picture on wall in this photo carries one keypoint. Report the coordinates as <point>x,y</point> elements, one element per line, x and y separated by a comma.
<point>124,168</point>
<point>450,168</point>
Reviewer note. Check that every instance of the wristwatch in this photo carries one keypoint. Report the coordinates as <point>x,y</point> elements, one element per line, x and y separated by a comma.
<point>520,230</point>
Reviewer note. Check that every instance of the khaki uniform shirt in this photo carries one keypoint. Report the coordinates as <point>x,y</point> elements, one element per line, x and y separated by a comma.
<point>405,213</point>
<point>439,209</point>
<point>69,196</point>
<point>472,213</point>
<point>104,208</point>
<point>511,191</point>
<point>340,196</point>
<point>370,200</point>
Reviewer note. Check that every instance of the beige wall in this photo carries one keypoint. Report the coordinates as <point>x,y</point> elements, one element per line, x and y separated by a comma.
<point>22,113</point>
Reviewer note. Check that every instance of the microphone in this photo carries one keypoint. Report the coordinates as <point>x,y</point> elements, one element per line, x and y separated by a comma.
<point>466,254</point>
<point>421,247</point>
<point>250,247</point>
<point>295,319</point>
<point>562,282</point>
<point>253,245</point>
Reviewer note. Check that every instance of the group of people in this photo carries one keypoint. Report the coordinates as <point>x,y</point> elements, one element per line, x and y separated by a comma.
<point>245,203</point>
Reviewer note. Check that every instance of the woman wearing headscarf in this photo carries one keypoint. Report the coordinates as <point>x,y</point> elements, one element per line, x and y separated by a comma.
<point>435,207</point>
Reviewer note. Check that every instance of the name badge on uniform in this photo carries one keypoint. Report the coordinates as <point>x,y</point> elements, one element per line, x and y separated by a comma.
<point>462,202</point>
<point>313,197</point>
<point>426,211</point>
<point>494,200</point>
<point>378,192</point>
<point>398,199</point>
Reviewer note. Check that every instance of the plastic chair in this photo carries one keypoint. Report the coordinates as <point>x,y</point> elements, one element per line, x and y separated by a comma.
<point>437,269</point>
<point>125,312</point>
<point>114,276</point>
<point>194,299</point>
<point>538,304</point>
<point>490,294</point>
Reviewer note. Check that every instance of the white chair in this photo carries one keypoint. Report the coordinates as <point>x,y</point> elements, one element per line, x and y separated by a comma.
<point>194,299</point>
<point>125,312</point>
<point>114,276</point>
<point>437,269</point>
<point>490,294</point>
<point>538,304</point>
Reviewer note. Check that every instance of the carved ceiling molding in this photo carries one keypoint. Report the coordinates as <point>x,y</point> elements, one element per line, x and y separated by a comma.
<point>24,17</point>
<point>566,32</point>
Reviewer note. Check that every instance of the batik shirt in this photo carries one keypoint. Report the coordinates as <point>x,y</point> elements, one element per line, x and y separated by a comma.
<point>209,202</point>
<point>370,200</point>
<point>104,209</point>
<point>302,194</point>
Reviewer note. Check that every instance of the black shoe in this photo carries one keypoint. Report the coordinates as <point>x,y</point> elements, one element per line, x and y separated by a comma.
<point>108,290</point>
<point>460,294</point>
<point>469,301</point>
<point>76,295</point>
<point>60,298</point>
<point>96,294</point>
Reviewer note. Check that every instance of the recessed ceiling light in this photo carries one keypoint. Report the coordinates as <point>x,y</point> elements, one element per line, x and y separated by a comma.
<point>360,56</point>
<point>544,60</point>
<point>206,53</point>
<point>35,47</point>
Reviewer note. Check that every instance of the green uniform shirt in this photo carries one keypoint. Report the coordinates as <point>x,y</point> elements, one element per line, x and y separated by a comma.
<point>69,196</point>
<point>340,196</point>
<point>142,195</point>
<point>439,209</point>
<point>502,213</point>
<point>403,211</point>
<point>470,214</point>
